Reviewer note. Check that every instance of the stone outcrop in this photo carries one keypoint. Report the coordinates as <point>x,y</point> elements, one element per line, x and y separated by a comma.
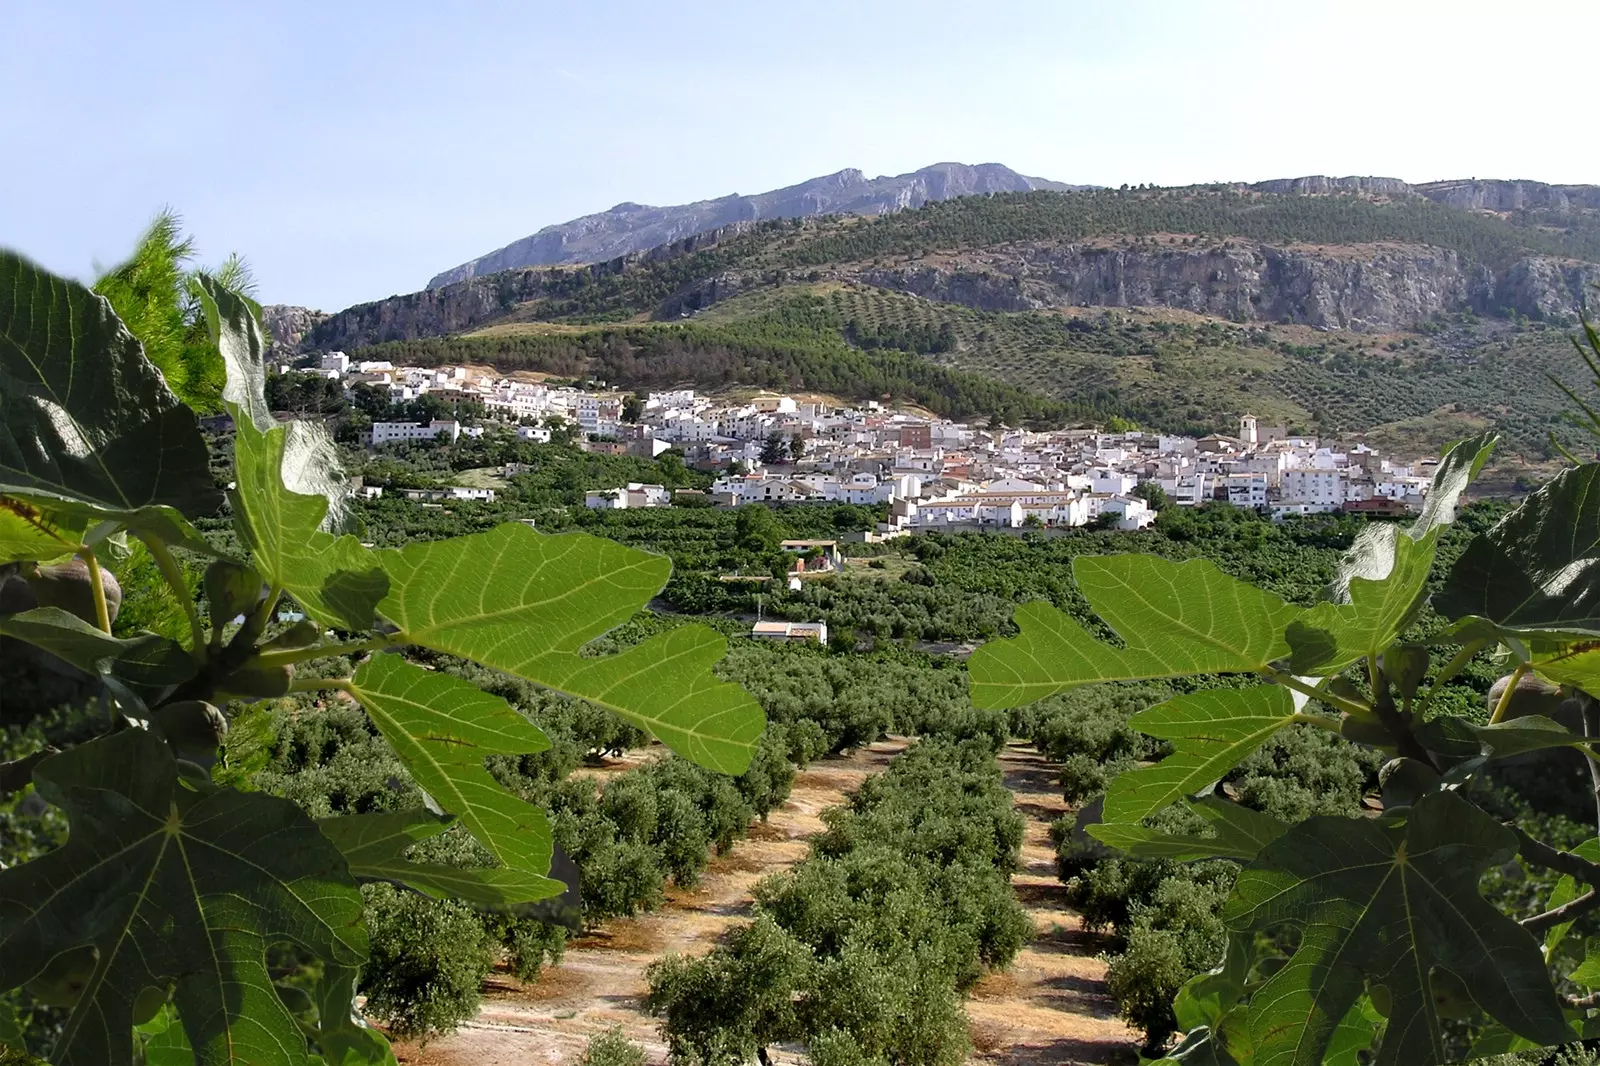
<point>629,227</point>
<point>287,325</point>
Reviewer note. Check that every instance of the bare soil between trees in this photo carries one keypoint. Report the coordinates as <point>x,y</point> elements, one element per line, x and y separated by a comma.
<point>1050,1006</point>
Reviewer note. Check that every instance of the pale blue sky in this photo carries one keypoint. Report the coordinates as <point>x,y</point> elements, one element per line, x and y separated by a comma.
<point>352,150</point>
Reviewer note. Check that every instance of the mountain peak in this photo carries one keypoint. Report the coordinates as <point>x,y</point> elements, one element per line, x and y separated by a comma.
<point>630,227</point>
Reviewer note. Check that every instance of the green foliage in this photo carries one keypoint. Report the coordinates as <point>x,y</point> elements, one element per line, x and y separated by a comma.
<point>902,903</point>
<point>153,292</point>
<point>1338,919</point>
<point>428,959</point>
<point>177,877</point>
<point>611,1048</point>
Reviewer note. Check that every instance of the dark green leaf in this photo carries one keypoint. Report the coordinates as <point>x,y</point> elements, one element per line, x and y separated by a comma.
<point>1538,570</point>
<point>1174,618</point>
<point>83,414</point>
<point>1386,904</point>
<point>150,660</point>
<point>342,1036</point>
<point>442,728</point>
<point>174,883</point>
<point>1518,735</point>
<point>527,603</point>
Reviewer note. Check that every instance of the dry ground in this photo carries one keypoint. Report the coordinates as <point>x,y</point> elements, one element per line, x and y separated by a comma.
<point>1050,1007</point>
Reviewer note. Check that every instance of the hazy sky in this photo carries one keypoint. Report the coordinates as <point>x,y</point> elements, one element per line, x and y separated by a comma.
<point>352,150</point>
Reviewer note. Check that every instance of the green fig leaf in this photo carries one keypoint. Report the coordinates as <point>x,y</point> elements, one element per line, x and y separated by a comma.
<point>334,578</point>
<point>1174,618</point>
<point>374,845</point>
<point>83,414</point>
<point>1533,732</point>
<point>341,1035</point>
<point>1537,572</point>
<point>28,531</point>
<point>1211,732</point>
<point>149,659</point>
<point>442,728</point>
<point>1566,891</point>
<point>1382,580</point>
<point>526,603</point>
<point>179,884</point>
<point>1386,904</point>
<point>1240,833</point>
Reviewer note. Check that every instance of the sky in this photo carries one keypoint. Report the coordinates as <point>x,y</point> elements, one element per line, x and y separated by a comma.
<point>352,150</point>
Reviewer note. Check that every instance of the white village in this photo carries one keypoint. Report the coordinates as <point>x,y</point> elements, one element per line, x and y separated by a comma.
<point>933,473</point>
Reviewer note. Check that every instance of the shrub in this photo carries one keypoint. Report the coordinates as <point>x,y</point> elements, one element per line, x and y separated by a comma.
<point>611,1048</point>
<point>429,958</point>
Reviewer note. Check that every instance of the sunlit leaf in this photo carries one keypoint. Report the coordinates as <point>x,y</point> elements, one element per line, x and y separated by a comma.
<point>342,1036</point>
<point>1211,732</point>
<point>1174,618</point>
<point>334,578</point>
<point>83,413</point>
<point>1382,580</point>
<point>1386,904</point>
<point>527,603</point>
<point>1239,833</point>
<point>29,532</point>
<point>1566,891</point>
<point>174,883</point>
<point>442,728</point>
<point>149,659</point>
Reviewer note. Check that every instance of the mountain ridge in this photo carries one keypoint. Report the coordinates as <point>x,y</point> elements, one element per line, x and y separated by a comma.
<point>630,227</point>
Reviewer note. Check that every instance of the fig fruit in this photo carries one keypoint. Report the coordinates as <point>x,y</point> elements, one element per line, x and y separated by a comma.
<point>63,979</point>
<point>1404,781</point>
<point>303,634</point>
<point>1534,695</point>
<point>16,595</point>
<point>193,729</point>
<point>231,590</point>
<point>66,585</point>
<point>252,681</point>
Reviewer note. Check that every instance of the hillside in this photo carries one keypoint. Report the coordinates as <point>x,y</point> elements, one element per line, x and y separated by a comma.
<point>1341,309</point>
<point>630,227</point>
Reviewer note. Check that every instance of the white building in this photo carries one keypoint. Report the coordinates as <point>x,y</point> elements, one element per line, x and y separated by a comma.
<point>388,432</point>
<point>1319,488</point>
<point>631,496</point>
<point>338,362</point>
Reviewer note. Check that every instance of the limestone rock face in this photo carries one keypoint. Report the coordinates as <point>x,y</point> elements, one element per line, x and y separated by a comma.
<point>287,325</point>
<point>630,227</point>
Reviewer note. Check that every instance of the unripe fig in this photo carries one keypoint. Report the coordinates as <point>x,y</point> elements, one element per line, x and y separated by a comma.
<point>63,979</point>
<point>231,590</point>
<point>1404,781</point>
<point>252,681</point>
<point>1406,665</point>
<point>303,634</point>
<point>66,585</point>
<point>1534,695</point>
<point>193,729</point>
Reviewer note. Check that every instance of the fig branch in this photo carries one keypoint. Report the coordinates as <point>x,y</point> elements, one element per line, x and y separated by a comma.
<point>102,613</point>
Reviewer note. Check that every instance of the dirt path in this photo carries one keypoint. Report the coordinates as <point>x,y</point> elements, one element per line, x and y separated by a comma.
<point>600,983</point>
<point>1050,1007</point>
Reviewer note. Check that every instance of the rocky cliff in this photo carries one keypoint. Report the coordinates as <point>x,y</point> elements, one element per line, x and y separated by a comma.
<point>287,325</point>
<point>1370,289</point>
<point>1374,288</point>
<point>630,227</point>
